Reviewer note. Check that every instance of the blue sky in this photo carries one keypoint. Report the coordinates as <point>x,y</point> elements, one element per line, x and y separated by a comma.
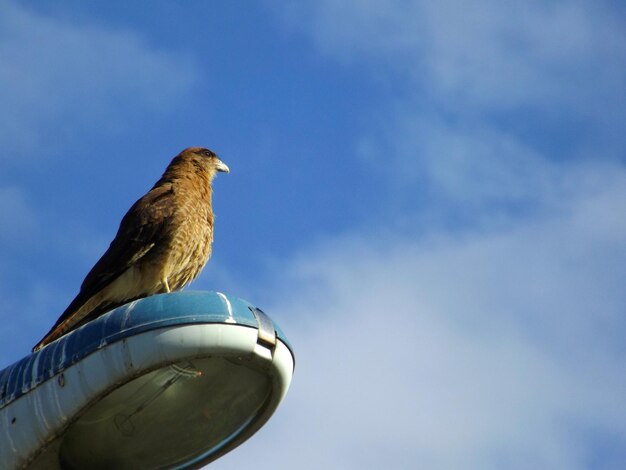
<point>428,197</point>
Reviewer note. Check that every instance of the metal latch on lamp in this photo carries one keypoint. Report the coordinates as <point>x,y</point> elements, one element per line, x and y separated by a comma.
<point>267,333</point>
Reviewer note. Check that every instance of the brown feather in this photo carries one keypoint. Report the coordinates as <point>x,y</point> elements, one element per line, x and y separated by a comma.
<point>162,244</point>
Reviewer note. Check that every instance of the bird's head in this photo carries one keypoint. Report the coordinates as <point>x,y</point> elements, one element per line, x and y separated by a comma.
<point>205,159</point>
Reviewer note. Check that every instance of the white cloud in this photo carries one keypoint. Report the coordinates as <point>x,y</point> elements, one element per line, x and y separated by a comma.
<point>492,103</point>
<point>473,174</point>
<point>507,54</point>
<point>488,54</point>
<point>488,350</point>
<point>60,78</point>
<point>461,165</point>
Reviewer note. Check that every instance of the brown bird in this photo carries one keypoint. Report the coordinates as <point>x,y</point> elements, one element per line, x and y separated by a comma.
<point>163,242</point>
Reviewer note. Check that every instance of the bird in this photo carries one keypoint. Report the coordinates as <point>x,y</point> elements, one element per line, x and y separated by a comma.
<point>162,244</point>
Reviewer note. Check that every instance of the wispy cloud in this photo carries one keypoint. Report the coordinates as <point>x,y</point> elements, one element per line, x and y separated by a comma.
<point>489,103</point>
<point>497,342</point>
<point>476,351</point>
<point>490,54</point>
<point>61,79</point>
<point>474,174</point>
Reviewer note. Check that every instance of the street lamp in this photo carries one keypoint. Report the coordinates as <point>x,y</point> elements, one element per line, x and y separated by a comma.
<point>169,381</point>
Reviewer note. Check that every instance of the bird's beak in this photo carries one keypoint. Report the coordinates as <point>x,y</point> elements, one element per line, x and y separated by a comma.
<point>221,166</point>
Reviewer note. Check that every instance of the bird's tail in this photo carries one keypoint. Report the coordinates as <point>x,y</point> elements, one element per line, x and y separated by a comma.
<point>79,312</point>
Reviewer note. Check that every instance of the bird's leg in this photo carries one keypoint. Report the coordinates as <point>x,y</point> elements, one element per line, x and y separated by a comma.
<point>166,285</point>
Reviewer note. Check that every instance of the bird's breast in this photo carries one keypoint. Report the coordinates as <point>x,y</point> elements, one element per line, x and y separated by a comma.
<point>190,244</point>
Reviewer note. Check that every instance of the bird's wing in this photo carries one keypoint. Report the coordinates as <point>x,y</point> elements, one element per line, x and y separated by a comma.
<point>145,225</point>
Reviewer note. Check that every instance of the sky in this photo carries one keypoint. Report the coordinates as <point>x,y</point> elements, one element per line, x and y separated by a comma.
<point>428,197</point>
